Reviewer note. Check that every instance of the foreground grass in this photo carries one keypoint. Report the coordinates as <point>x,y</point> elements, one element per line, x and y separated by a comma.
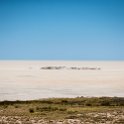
<point>82,108</point>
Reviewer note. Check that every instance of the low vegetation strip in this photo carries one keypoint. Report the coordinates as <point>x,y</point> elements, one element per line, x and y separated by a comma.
<point>64,111</point>
<point>85,101</point>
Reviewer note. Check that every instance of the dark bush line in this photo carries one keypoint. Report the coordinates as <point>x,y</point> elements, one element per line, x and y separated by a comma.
<point>46,108</point>
<point>24,102</point>
<point>14,102</point>
<point>83,101</point>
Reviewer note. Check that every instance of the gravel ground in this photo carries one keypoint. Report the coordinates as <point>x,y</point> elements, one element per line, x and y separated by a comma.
<point>115,117</point>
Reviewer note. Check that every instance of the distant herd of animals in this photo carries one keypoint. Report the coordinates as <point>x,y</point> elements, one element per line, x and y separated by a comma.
<point>69,68</point>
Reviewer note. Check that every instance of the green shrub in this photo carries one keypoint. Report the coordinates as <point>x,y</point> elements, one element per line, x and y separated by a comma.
<point>31,110</point>
<point>62,109</point>
<point>105,103</point>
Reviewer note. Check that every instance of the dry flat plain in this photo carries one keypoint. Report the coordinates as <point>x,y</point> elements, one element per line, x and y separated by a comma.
<point>30,80</point>
<point>26,80</point>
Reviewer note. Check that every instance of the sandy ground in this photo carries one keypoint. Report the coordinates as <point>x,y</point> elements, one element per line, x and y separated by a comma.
<point>24,80</point>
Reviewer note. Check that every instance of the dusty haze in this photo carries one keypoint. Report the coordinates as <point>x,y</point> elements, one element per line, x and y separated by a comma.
<point>24,80</point>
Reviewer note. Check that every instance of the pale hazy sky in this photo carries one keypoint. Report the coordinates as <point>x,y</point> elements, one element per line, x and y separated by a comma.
<point>62,29</point>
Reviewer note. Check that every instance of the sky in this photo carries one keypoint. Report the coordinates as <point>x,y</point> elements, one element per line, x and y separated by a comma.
<point>61,29</point>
